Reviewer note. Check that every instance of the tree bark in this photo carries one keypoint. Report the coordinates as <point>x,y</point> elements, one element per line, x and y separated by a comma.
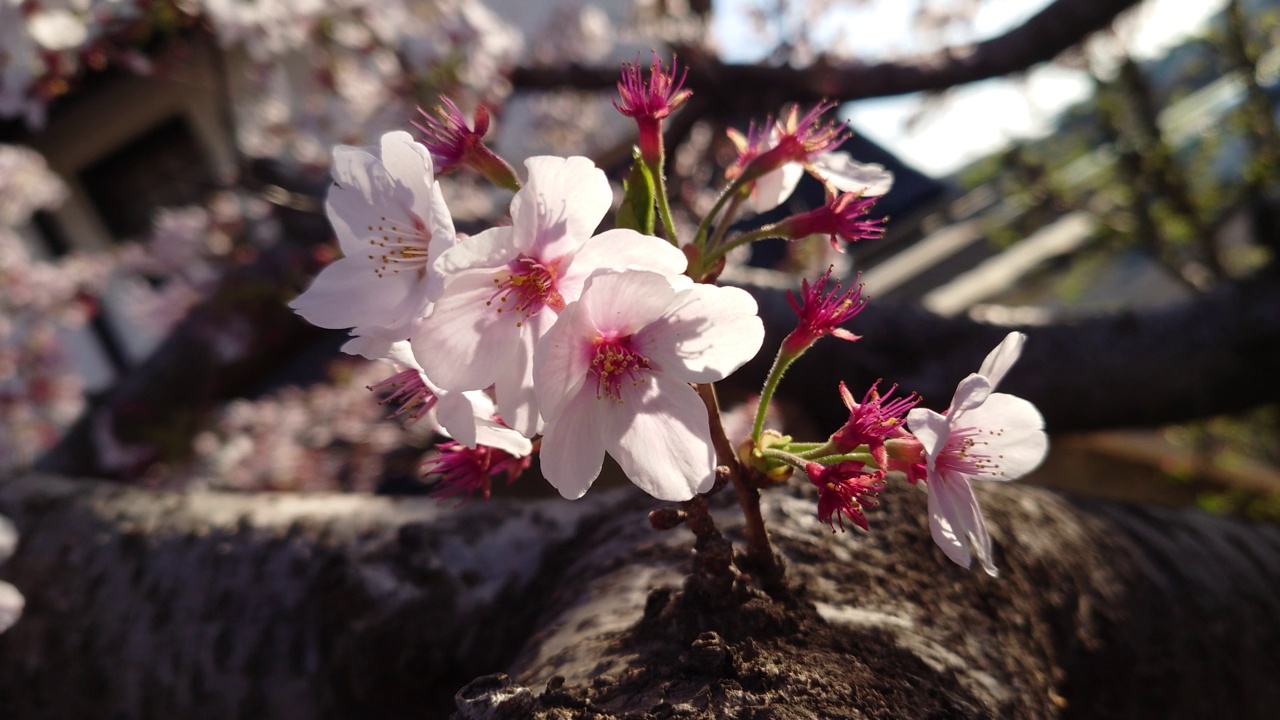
<point>1211,355</point>
<point>151,604</point>
<point>1061,25</point>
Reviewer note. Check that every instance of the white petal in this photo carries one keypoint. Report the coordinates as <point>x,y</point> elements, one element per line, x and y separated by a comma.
<point>463,345</point>
<point>572,451</point>
<point>492,248</point>
<point>351,206</point>
<point>513,387</point>
<point>842,172</point>
<point>371,347</point>
<point>622,303</point>
<point>773,189</point>
<point>620,250</point>
<point>1013,432</point>
<point>56,30</point>
<point>348,294</point>
<point>559,206</point>
<point>931,429</point>
<point>998,361</point>
<point>956,521</point>
<point>661,438</point>
<point>970,393</point>
<point>8,538</point>
<point>456,415</point>
<point>708,333</point>
<point>496,435</point>
<point>562,360</point>
<point>11,603</point>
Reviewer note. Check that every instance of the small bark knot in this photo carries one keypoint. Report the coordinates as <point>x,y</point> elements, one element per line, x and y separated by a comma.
<point>491,697</point>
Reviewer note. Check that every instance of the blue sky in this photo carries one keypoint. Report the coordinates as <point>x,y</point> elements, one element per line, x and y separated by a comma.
<point>976,119</point>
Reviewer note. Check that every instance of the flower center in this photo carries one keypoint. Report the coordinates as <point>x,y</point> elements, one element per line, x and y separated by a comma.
<point>614,363</point>
<point>406,390</point>
<point>528,286</point>
<point>398,248</point>
<point>964,453</point>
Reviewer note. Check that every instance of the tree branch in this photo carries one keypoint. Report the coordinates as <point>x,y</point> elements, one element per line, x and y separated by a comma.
<point>754,89</point>
<point>161,604</point>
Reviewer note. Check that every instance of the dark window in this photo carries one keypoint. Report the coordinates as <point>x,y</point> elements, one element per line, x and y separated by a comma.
<point>163,167</point>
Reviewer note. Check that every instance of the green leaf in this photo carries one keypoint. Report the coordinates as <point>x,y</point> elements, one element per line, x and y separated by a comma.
<point>637,209</point>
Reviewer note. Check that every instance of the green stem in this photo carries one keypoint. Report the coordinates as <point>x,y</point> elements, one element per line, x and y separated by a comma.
<point>664,203</point>
<point>799,461</point>
<point>781,362</point>
<point>726,220</point>
<point>763,233</point>
<point>700,237</point>
<point>815,452</point>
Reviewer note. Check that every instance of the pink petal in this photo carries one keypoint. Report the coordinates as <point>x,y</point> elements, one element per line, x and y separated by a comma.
<point>490,249</point>
<point>573,449</point>
<point>559,206</point>
<point>708,333</point>
<point>956,521</point>
<point>773,189</point>
<point>461,345</point>
<point>998,361</point>
<point>497,435</point>
<point>619,250</point>
<point>513,387</point>
<point>661,438</point>
<point>562,360</point>
<point>347,294</point>
<point>970,393</point>
<point>622,303</point>
<point>931,429</point>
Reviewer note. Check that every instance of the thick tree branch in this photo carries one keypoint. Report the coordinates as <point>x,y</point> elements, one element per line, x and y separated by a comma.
<point>753,89</point>
<point>197,605</point>
<point>1211,355</point>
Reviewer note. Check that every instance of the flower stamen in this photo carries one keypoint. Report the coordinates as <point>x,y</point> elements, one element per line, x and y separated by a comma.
<point>613,361</point>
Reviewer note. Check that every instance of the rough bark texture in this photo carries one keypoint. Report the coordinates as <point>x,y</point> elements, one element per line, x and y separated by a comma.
<point>147,604</point>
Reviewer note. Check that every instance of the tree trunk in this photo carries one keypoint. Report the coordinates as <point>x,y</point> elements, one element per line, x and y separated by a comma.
<point>149,604</point>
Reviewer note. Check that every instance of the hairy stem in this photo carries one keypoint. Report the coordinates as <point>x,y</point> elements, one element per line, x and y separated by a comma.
<point>759,549</point>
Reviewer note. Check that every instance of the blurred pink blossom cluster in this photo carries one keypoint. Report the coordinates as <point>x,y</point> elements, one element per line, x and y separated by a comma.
<point>332,436</point>
<point>305,73</point>
<point>40,393</point>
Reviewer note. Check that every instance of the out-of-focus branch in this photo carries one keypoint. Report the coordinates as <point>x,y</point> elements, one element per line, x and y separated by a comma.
<point>754,89</point>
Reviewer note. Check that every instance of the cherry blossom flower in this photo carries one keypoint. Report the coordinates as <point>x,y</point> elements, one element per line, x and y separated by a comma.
<point>871,421</point>
<point>844,489</point>
<point>11,601</point>
<point>613,375</point>
<point>468,417</point>
<point>467,470</point>
<point>507,285</point>
<point>821,313</point>
<point>776,156</point>
<point>983,435</point>
<point>843,217</point>
<point>649,102</point>
<point>453,144</point>
<point>391,223</point>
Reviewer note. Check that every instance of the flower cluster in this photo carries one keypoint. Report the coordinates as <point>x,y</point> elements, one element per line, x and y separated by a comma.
<point>542,334</point>
<point>589,340</point>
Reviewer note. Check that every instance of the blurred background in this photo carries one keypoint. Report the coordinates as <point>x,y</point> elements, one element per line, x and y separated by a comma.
<point>163,165</point>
